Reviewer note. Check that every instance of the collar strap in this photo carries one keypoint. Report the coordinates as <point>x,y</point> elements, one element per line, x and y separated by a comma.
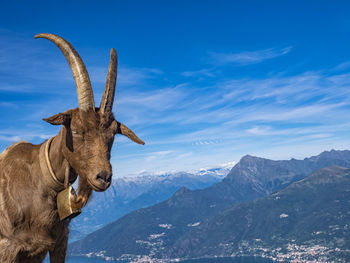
<point>46,168</point>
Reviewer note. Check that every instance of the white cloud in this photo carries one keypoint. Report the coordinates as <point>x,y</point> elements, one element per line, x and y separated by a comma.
<point>259,130</point>
<point>208,72</point>
<point>126,75</point>
<point>342,66</point>
<point>157,155</point>
<point>247,57</point>
<point>9,138</point>
<point>8,104</point>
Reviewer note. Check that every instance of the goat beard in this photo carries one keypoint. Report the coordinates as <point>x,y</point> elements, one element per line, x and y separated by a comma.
<point>84,192</point>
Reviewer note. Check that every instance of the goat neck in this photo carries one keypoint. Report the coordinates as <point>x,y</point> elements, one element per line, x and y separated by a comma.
<point>60,166</point>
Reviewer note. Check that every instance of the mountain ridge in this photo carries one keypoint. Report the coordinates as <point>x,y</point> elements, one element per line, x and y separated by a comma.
<point>298,215</point>
<point>128,194</point>
<point>252,178</point>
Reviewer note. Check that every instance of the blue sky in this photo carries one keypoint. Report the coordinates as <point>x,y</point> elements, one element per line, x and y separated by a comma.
<point>201,82</point>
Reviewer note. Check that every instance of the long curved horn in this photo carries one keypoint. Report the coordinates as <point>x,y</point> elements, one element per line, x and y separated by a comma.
<point>80,74</point>
<point>108,94</point>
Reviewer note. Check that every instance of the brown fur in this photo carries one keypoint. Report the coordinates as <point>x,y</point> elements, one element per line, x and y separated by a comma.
<point>29,222</point>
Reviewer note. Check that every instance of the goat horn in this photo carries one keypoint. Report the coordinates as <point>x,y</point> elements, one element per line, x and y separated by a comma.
<point>80,74</point>
<point>122,129</point>
<point>108,94</point>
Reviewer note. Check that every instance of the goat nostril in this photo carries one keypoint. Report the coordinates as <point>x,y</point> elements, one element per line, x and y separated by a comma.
<point>101,177</point>
<point>109,178</point>
<point>105,177</point>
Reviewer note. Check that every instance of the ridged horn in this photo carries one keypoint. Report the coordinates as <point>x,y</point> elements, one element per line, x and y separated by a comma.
<point>80,74</point>
<point>109,92</point>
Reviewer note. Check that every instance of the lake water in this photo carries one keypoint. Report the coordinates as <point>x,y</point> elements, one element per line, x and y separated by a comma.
<point>212,260</point>
<point>84,260</point>
<point>230,260</point>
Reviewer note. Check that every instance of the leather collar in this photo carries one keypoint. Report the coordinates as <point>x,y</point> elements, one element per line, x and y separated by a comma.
<point>46,168</point>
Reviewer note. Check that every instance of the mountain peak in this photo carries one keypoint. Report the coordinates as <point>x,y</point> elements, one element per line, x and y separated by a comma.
<point>182,191</point>
<point>247,157</point>
<point>250,158</point>
<point>334,154</point>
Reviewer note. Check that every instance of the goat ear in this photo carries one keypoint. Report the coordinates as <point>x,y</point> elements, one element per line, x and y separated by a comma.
<point>58,119</point>
<point>120,128</point>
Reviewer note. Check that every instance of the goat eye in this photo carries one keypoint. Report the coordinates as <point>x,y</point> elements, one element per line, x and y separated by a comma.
<point>75,133</point>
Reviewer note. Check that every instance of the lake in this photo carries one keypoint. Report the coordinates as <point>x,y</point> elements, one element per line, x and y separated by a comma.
<point>85,260</point>
<point>211,260</point>
<point>230,260</point>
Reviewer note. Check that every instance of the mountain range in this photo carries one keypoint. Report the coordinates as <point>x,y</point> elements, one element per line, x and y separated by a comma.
<point>308,220</point>
<point>131,193</point>
<point>191,223</point>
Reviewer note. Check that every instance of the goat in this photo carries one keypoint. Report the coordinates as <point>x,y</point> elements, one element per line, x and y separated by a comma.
<point>31,176</point>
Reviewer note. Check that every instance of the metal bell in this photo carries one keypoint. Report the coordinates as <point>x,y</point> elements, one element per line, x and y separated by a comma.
<point>65,203</point>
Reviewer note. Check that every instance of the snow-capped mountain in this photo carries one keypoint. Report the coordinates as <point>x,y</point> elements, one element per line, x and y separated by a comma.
<point>127,194</point>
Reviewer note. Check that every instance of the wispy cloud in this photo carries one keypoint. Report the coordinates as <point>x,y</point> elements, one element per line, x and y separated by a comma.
<point>12,135</point>
<point>5,104</point>
<point>206,142</point>
<point>126,75</point>
<point>342,66</point>
<point>10,138</point>
<point>186,122</point>
<point>259,130</point>
<point>246,57</point>
<point>313,103</point>
<point>28,65</point>
<point>208,72</point>
<point>230,115</point>
<point>157,156</point>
